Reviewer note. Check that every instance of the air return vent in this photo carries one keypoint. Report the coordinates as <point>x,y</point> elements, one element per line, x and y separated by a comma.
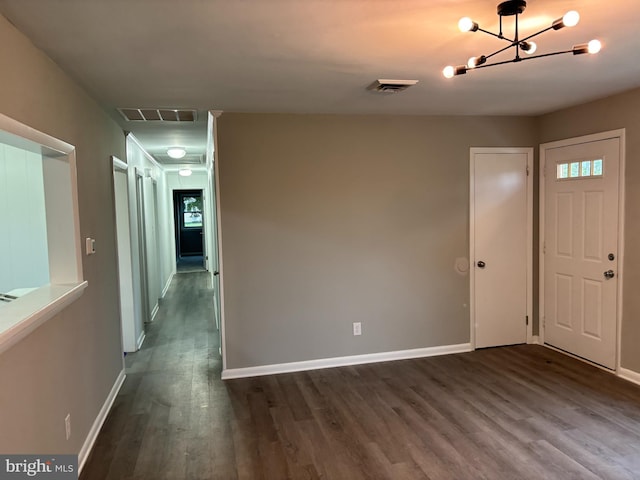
<point>158,115</point>
<point>385,85</point>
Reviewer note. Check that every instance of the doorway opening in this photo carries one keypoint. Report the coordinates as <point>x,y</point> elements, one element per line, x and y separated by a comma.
<point>189,230</point>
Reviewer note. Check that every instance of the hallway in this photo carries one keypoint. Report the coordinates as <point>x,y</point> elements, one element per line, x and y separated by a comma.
<point>163,423</point>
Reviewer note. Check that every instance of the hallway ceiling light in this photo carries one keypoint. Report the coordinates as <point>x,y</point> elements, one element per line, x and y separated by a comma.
<point>515,8</point>
<point>185,172</point>
<point>176,152</point>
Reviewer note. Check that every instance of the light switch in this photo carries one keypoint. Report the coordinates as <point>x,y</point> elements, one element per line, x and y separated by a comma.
<point>90,246</point>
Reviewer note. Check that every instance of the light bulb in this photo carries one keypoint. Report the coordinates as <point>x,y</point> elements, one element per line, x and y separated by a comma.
<point>529,47</point>
<point>466,25</point>
<point>594,46</point>
<point>448,72</point>
<point>571,19</point>
<point>475,61</point>
<point>185,172</point>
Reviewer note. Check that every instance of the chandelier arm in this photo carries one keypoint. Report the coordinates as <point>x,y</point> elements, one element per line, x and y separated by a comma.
<point>516,44</point>
<point>500,51</point>
<point>547,54</point>
<point>501,37</point>
<point>485,65</point>
<point>535,34</point>
<point>519,59</point>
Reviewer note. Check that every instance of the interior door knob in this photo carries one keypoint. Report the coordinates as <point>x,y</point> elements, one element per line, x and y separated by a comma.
<point>481,264</point>
<point>609,274</point>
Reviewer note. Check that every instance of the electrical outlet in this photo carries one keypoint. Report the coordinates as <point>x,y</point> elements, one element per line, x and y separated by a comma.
<point>357,328</point>
<point>67,425</point>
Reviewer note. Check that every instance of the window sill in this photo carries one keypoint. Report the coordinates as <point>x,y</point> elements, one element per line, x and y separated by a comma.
<point>22,316</point>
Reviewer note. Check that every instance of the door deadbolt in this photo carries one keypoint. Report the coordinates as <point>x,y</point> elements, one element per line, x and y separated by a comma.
<point>611,257</point>
<point>481,264</point>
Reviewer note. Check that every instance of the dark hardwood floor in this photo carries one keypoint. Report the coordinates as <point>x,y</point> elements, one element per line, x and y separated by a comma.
<point>523,412</point>
<point>189,264</point>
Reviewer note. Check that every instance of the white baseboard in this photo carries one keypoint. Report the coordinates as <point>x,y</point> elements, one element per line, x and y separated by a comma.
<point>629,375</point>
<point>140,341</point>
<point>535,340</point>
<point>167,285</point>
<point>154,312</point>
<point>230,373</point>
<point>99,421</point>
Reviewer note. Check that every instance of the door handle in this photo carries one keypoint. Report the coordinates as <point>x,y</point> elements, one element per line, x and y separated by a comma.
<point>216,273</point>
<point>481,264</point>
<point>609,274</point>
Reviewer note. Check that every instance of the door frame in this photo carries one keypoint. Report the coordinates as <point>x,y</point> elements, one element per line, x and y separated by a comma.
<point>177,221</point>
<point>217,270</point>
<point>139,176</point>
<point>127,307</point>
<point>619,134</point>
<point>530,169</point>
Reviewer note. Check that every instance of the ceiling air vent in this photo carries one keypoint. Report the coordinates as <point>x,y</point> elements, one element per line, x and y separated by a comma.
<point>386,85</point>
<point>158,114</point>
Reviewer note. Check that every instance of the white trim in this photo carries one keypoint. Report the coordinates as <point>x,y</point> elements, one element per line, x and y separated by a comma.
<point>75,206</point>
<point>529,300</point>
<point>472,250</point>
<point>228,374</point>
<point>621,244</point>
<point>216,177</point>
<point>24,131</point>
<point>22,316</point>
<point>629,375</point>
<point>154,312</point>
<point>99,421</point>
<point>168,284</point>
<point>535,340</point>
<point>25,314</point>
<point>144,151</point>
<point>119,164</point>
<point>621,135</point>
<point>140,340</point>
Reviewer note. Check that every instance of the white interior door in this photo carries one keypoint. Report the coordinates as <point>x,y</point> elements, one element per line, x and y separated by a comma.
<point>501,245</point>
<point>581,249</point>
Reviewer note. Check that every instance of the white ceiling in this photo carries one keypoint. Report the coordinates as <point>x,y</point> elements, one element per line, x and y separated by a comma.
<point>318,56</point>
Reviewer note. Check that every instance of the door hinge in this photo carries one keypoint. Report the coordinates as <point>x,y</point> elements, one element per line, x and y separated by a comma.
<point>527,320</point>
<point>544,247</point>
<point>527,170</point>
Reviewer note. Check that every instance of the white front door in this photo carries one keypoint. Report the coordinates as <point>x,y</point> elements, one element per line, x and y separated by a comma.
<point>581,249</point>
<point>501,243</point>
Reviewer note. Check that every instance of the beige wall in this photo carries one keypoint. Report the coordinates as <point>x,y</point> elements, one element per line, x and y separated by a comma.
<point>329,220</point>
<point>69,364</point>
<point>620,111</point>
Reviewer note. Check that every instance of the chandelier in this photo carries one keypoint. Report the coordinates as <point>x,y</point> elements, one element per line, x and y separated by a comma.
<point>515,8</point>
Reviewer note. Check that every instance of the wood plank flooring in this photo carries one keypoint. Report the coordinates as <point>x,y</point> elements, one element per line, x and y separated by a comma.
<point>523,412</point>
